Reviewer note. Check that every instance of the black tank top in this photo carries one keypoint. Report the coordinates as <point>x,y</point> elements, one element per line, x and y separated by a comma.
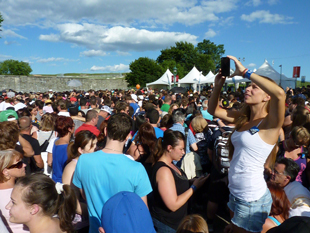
<point>159,209</point>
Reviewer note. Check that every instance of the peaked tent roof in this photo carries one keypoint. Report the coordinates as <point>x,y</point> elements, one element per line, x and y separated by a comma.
<point>192,76</point>
<point>268,71</point>
<point>165,79</point>
<point>209,78</point>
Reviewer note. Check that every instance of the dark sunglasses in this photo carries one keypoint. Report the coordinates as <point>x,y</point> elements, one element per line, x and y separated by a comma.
<point>18,165</point>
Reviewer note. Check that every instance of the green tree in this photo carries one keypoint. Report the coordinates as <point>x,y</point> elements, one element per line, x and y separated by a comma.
<point>213,51</point>
<point>143,70</point>
<point>170,64</point>
<point>15,67</point>
<point>182,53</point>
<point>1,20</point>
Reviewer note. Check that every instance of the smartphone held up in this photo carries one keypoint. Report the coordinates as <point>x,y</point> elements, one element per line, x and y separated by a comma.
<point>225,66</point>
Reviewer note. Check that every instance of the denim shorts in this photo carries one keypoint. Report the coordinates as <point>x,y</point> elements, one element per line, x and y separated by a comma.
<point>250,216</point>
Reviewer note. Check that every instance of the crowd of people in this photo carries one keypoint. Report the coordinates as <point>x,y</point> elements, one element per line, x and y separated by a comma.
<point>154,161</point>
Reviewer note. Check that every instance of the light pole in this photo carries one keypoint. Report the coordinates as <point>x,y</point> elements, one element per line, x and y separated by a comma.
<point>280,73</point>
<point>174,75</point>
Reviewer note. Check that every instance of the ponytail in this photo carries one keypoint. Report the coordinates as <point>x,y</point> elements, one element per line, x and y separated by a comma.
<point>52,198</point>
<point>72,152</point>
<point>66,206</point>
<point>158,151</point>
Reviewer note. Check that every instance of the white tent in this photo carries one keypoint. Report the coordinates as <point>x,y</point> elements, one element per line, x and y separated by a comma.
<point>209,78</point>
<point>164,80</point>
<point>193,78</point>
<point>268,71</point>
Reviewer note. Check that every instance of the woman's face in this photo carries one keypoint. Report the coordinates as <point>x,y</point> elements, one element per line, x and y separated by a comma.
<point>20,212</point>
<point>178,151</point>
<point>254,94</point>
<point>34,111</point>
<point>90,147</point>
<point>17,172</point>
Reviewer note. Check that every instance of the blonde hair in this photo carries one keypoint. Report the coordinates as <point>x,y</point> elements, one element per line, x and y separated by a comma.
<point>171,108</point>
<point>6,160</point>
<point>300,135</point>
<point>199,124</point>
<point>193,223</point>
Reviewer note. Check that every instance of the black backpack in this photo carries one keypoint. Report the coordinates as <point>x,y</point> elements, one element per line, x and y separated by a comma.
<point>221,153</point>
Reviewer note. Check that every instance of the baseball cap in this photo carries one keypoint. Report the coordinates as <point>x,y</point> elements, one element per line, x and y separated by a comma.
<point>126,212</point>
<point>4,115</point>
<point>134,97</point>
<point>73,99</point>
<point>106,109</point>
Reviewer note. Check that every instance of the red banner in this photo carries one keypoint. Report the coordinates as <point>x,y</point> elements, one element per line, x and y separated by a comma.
<point>296,72</point>
<point>177,78</point>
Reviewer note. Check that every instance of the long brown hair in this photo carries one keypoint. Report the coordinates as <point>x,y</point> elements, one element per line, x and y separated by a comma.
<point>280,203</point>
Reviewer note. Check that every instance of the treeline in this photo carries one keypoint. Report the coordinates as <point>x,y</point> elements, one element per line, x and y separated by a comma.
<point>205,56</point>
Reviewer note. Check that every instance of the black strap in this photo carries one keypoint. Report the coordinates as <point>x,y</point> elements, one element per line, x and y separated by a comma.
<point>186,133</point>
<point>50,136</point>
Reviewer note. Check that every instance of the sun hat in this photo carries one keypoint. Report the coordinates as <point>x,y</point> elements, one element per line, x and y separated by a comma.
<point>126,212</point>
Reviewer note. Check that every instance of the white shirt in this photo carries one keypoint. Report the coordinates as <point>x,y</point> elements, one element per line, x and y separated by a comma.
<point>246,172</point>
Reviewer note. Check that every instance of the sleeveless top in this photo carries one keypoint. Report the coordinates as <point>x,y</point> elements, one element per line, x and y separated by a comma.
<point>301,161</point>
<point>274,220</point>
<point>246,173</point>
<point>158,209</point>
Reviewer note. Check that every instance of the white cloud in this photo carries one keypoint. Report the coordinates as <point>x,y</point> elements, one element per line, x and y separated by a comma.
<point>10,33</point>
<point>115,68</point>
<point>266,17</point>
<point>120,12</point>
<point>11,42</point>
<point>54,59</point>
<point>51,37</point>
<point>210,33</point>
<point>251,65</point>
<point>123,39</point>
<point>273,2</point>
<point>5,57</point>
<point>123,53</point>
<point>254,3</point>
<point>93,53</point>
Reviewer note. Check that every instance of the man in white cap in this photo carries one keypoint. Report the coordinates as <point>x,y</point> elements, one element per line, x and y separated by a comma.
<point>103,114</point>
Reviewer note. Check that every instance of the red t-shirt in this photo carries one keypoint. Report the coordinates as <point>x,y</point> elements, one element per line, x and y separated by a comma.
<point>88,127</point>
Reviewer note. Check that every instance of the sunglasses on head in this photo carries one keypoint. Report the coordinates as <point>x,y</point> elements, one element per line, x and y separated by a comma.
<point>18,165</point>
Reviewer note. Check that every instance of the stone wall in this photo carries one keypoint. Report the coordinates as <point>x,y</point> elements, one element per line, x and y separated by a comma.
<point>44,83</point>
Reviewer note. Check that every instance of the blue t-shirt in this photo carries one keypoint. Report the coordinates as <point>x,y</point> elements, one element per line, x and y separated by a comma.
<point>60,158</point>
<point>102,175</point>
<point>206,115</point>
<point>158,132</point>
<point>190,136</point>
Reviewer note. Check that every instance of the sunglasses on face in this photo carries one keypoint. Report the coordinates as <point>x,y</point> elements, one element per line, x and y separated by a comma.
<point>18,165</point>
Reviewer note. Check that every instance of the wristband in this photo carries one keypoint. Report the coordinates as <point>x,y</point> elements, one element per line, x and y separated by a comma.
<point>194,187</point>
<point>243,73</point>
<point>248,74</point>
<point>217,121</point>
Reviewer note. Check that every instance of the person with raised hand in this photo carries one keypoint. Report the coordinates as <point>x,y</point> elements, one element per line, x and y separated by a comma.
<point>254,138</point>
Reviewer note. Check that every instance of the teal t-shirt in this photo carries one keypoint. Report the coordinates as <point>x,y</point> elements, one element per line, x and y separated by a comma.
<point>102,175</point>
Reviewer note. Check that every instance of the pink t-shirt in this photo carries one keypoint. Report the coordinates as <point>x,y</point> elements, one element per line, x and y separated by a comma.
<point>5,195</point>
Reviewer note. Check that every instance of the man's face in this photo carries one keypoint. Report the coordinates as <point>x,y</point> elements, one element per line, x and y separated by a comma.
<point>278,175</point>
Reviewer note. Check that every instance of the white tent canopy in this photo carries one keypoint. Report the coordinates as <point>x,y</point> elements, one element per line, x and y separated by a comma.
<point>192,77</point>
<point>268,71</point>
<point>209,78</point>
<point>164,80</point>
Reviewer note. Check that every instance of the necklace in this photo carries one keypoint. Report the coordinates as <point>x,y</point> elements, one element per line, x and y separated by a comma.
<point>113,150</point>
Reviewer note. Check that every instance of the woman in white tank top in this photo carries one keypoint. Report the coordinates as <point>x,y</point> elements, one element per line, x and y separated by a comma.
<point>257,131</point>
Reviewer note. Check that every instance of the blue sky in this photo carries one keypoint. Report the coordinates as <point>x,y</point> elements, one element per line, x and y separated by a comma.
<point>98,36</point>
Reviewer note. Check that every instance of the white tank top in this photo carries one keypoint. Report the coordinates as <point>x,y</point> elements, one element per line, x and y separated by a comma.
<point>246,172</point>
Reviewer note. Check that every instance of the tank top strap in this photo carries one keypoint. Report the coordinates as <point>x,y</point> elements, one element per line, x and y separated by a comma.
<point>259,123</point>
<point>274,220</point>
